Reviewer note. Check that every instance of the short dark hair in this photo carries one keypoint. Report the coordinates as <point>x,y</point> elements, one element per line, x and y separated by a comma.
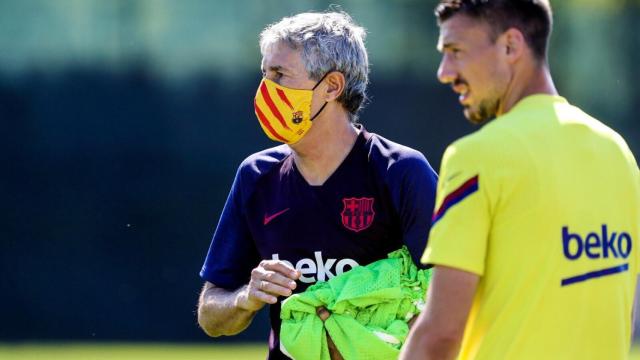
<point>532,17</point>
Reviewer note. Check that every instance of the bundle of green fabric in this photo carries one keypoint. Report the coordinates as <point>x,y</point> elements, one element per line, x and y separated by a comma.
<point>370,307</point>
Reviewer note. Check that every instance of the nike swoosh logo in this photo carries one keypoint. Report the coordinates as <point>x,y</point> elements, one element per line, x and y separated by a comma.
<point>267,219</point>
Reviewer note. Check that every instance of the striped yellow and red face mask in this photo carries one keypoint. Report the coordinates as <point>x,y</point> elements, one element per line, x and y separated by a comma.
<point>284,113</point>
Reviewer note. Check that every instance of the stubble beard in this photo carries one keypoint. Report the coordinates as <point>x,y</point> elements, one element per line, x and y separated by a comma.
<point>486,111</point>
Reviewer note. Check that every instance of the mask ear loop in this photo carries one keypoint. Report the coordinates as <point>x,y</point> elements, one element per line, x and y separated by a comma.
<point>319,111</point>
<point>325,103</point>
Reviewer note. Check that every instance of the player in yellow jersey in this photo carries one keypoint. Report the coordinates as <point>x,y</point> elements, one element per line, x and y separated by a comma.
<point>536,227</point>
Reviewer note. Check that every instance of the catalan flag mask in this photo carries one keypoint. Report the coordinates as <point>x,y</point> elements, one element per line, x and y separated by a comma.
<point>284,113</point>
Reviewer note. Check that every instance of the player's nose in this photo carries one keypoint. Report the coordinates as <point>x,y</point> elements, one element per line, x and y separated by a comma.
<point>446,71</point>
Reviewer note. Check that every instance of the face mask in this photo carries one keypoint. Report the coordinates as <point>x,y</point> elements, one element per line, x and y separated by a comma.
<point>284,113</point>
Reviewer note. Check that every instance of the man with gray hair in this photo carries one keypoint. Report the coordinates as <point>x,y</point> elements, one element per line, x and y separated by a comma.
<point>332,197</point>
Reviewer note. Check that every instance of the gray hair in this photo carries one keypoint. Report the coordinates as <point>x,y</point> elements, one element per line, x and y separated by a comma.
<point>328,41</point>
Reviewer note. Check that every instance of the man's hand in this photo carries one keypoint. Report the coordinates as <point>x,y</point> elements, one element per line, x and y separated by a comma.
<point>270,279</point>
<point>225,312</point>
<point>324,314</point>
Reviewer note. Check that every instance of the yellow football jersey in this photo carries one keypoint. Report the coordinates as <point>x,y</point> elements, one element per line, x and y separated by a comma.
<point>544,204</point>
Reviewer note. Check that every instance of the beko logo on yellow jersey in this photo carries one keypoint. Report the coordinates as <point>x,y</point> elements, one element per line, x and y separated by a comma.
<point>604,244</point>
<point>595,245</point>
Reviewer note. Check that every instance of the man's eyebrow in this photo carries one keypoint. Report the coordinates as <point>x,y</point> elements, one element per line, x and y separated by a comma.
<point>446,46</point>
<point>277,68</point>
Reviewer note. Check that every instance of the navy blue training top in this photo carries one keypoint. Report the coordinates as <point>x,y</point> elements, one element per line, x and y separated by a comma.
<point>380,197</point>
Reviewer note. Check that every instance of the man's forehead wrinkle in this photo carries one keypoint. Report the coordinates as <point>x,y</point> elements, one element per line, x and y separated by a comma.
<point>279,59</point>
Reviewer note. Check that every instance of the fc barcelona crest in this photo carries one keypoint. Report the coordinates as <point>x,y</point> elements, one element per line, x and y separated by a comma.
<point>358,213</point>
<point>297,117</point>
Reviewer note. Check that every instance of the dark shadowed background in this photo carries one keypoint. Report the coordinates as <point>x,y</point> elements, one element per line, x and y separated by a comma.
<point>122,124</point>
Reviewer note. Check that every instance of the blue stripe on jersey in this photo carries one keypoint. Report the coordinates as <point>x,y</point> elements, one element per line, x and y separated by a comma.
<point>466,189</point>
<point>595,274</point>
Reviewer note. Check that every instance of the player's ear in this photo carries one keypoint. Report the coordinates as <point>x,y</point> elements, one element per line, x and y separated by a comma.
<point>335,86</point>
<point>513,44</point>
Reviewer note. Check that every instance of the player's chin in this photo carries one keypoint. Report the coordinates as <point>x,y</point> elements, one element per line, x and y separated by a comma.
<point>469,113</point>
<point>474,117</point>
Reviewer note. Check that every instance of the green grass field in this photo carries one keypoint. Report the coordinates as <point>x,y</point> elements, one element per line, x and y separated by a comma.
<point>64,351</point>
<point>81,351</point>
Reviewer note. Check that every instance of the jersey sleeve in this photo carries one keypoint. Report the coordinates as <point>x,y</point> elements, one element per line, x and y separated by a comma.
<point>461,218</point>
<point>633,166</point>
<point>414,194</point>
<point>232,253</point>
<point>636,173</point>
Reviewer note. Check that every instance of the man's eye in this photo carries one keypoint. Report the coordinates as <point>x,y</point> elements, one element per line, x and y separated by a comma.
<point>454,53</point>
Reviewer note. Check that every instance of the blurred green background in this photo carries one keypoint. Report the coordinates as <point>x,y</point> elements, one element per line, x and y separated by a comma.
<point>123,123</point>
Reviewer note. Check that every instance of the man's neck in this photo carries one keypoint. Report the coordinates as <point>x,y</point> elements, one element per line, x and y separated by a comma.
<point>533,80</point>
<point>324,148</point>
